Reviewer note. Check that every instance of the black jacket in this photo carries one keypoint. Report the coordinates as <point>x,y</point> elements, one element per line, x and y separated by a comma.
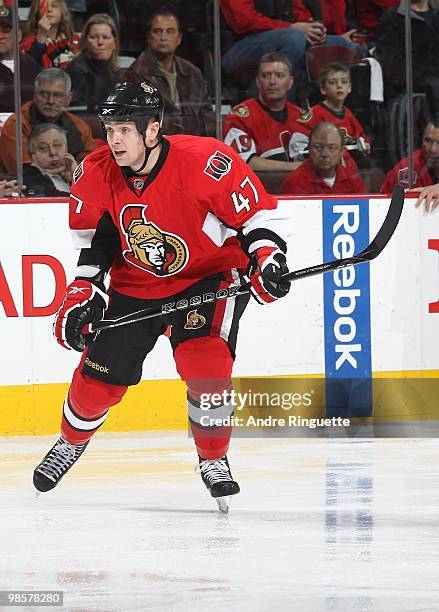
<point>390,48</point>
<point>92,81</point>
<point>28,71</point>
<point>37,184</point>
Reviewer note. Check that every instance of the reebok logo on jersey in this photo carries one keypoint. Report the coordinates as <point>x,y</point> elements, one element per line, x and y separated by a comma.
<point>75,290</point>
<point>79,171</point>
<point>218,165</point>
<point>96,366</point>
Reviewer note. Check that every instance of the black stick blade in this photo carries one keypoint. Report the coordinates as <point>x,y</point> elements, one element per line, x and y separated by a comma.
<point>383,236</point>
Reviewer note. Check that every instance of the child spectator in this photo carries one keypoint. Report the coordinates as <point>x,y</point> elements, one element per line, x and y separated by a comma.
<point>94,72</point>
<point>49,37</point>
<point>335,86</point>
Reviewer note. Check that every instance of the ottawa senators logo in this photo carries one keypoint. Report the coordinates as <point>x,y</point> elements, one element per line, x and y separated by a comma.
<point>218,165</point>
<point>147,88</point>
<point>194,320</point>
<point>151,249</point>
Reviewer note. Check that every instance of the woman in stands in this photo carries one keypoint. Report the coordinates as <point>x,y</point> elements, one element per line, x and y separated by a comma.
<point>95,71</point>
<point>49,34</point>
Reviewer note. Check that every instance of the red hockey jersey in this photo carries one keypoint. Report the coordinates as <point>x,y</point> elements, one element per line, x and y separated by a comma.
<point>304,181</point>
<point>250,130</point>
<point>349,125</point>
<point>400,174</point>
<point>162,233</point>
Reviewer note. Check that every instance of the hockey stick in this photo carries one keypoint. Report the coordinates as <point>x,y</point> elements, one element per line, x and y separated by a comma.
<point>370,252</point>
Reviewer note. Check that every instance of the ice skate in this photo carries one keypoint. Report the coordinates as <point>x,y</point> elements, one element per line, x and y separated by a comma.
<point>217,477</point>
<point>56,463</point>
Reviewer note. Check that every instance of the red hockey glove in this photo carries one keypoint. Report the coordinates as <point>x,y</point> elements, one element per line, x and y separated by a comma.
<point>83,303</point>
<point>267,266</point>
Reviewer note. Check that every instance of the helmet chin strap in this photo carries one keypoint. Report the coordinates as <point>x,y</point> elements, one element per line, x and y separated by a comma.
<point>147,153</point>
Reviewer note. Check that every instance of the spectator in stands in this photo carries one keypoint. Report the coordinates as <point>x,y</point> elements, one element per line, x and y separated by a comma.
<point>8,188</point>
<point>180,83</point>
<point>425,162</point>
<point>429,197</point>
<point>260,129</point>
<point>332,13</point>
<point>263,26</point>
<point>323,173</point>
<point>52,167</point>
<point>49,37</point>
<point>335,86</point>
<point>51,99</point>
<point>28,66</point>
<point>390,50</point>
<point>78,10</point>
<point>368,14</point>
<point>94,72</point>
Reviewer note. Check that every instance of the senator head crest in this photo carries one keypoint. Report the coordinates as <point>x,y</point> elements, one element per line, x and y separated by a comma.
<point>151,248</point>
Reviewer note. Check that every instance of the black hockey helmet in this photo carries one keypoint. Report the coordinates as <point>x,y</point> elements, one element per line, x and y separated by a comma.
<point>137,102</point>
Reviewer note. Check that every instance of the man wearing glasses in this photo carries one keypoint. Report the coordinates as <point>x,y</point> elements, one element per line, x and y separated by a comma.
<point>52,97</point>
<point>323,173</point>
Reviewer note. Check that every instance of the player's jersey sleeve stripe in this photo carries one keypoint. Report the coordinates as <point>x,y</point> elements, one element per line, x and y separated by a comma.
<point>216,412</point>
<point>99,246</point>
<point>216,230</point>
<point>266,225</point>
<point>229,311</point>
<point>80,423</point>
<point>241,142</point>
<point>82,238</point>
<point>271,153</point>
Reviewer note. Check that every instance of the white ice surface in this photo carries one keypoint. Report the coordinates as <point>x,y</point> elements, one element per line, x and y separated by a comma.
<point>319,526</point>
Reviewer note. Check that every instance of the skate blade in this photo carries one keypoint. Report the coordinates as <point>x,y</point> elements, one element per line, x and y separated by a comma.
<point>37,494</point>
<point>223,504</point>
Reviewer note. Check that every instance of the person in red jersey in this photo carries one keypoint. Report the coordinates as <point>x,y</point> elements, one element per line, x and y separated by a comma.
<point>131,212</point>
<point>260,129</point>
<point>335,86</point>
<point>425,162</point>
<point>323,172</point>
<point>369,12</point>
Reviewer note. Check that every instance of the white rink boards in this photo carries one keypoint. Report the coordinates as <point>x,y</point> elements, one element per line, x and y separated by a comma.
<point>392,329</point>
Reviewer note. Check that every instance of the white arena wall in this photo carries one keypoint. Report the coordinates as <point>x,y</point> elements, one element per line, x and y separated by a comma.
<point>377,320</point>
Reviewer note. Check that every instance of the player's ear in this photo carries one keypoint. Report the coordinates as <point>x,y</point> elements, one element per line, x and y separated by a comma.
<point>153,128</point>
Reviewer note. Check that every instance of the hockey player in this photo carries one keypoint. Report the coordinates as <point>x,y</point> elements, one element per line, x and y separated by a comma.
<point>164,214</point>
